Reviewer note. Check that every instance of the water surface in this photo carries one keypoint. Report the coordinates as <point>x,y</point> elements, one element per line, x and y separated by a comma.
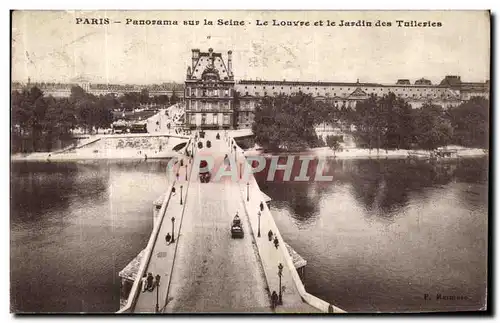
<point>74,226</point>
<point>384,233</point>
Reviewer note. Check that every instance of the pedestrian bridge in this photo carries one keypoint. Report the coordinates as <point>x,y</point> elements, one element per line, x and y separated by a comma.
<point>204,270</point>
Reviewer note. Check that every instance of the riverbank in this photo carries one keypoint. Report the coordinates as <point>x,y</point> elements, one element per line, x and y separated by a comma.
<point>129,146</point>
<point>360,153</point>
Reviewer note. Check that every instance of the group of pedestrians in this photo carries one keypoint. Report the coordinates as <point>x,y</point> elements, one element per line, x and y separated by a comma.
<point>271,236</point>
<point>149,283</point>
<point>274,239</point>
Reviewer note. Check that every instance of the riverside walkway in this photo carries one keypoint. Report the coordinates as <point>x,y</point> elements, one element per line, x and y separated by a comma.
<point>205,270</point>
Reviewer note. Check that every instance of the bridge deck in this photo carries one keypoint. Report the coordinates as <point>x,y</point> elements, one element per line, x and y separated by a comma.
<point>212,272</point>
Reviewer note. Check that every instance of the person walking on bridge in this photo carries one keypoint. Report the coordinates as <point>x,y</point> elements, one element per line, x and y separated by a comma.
<point>274,299</point>
<point>150,280</point>
<point>270,235</point>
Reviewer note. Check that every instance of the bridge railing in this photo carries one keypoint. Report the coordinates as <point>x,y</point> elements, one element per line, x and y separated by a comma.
<point>134,292</point>
<point>308,298</point>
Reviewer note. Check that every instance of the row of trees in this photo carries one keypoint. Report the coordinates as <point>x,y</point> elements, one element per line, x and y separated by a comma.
<point>387,122</point>
<point>44,119</point>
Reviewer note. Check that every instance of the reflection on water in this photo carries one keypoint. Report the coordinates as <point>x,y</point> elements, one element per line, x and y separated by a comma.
<point>74,226</point>
<point>385,232</point>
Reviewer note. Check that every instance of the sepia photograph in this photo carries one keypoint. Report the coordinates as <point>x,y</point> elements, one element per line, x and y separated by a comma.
<point>249,161</point>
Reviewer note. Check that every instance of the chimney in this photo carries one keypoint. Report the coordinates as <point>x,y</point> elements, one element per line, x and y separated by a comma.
<point>230,63</point>
<point>195,57</point>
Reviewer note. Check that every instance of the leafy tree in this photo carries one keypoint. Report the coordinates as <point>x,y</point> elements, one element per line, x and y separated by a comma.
<point>333,142</point>
<point>470,122</point>
<point>144,96</point>
<point>397,120</point>
<point>161,100</point>
<point>434,130</point>
<point>174,98</point>
<point>366,122</point>
<point>285,122</point>
<point>77,94</point>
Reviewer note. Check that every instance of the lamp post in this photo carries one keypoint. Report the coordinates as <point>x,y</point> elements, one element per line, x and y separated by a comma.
<point>181,194</point>
<point>173,220</point>
<point>258,232</point>
<point>157,282</point>
<point>280,273</point>
<point>248,196</point>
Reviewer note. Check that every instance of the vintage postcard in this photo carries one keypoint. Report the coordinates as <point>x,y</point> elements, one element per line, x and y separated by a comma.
<point>275,162</point>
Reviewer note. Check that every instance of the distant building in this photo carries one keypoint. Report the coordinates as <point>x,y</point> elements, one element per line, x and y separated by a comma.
<point>209,91</point>
<point>64,89</point>
<point>423,81</point>
<point>210,87</point>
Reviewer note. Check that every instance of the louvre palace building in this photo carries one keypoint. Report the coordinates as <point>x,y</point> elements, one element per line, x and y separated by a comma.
<point>209,92</point>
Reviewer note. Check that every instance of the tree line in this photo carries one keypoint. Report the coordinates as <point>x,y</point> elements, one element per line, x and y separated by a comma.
<point>38,120</point>
<point>387,122</point>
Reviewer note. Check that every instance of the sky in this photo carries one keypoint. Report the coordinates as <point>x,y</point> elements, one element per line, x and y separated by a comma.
<point>50,46</point>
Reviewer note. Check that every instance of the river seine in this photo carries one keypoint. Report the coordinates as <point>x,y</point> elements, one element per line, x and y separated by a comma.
<point>379,237</point>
